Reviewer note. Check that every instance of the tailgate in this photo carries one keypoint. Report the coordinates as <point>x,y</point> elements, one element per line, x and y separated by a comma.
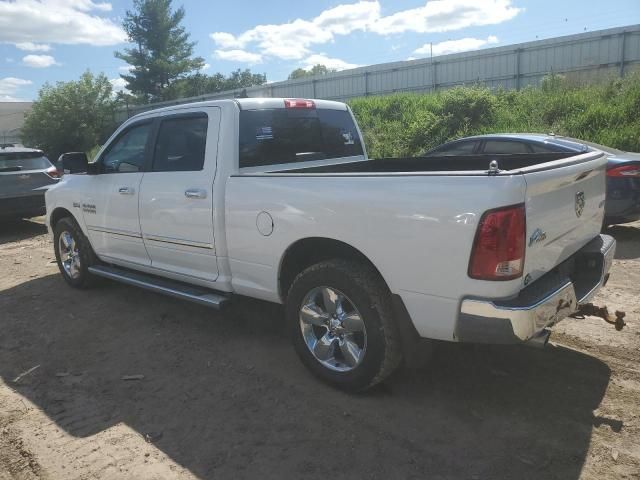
<point>565,208</point>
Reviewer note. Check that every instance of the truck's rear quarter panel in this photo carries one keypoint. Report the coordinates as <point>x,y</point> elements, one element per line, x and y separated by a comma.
<point>416,229</point>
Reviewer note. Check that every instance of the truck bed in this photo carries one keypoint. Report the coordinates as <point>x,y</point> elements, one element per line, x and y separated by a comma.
<point>435,163</point>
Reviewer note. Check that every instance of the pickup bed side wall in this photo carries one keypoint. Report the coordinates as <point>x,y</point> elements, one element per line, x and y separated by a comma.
<point>412,228</point>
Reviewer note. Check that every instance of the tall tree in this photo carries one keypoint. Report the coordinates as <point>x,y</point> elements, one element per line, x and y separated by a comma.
<point>161,52</point>
<point>71,116</point>
<point>315,70</point>
<point>201,84</point>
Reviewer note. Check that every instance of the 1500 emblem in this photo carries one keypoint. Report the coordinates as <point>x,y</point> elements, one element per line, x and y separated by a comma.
<point>88,208</point>
<point>579,204</point>
<point>537,236</point>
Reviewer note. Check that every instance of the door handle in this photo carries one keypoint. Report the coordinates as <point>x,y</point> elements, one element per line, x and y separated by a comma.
<point>126,191</point>
<point>195,193</point>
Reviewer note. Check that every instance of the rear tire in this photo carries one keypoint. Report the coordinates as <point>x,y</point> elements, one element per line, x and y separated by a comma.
<point>340,316</point>
<point>73,253</point>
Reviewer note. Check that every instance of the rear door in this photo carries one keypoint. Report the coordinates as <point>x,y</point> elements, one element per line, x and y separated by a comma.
<point>565,209</point>
<point>176,195</point>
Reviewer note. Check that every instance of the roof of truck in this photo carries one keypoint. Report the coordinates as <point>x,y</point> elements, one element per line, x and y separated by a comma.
<point>246,104</point>
<point>258,103</point>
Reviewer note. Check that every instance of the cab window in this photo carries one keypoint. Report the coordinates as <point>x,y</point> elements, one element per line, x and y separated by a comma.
<point>127,153</point>
<point>181,144</point>
<point>274,136</point>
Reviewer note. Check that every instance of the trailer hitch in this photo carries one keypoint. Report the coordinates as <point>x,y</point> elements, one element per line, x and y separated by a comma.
<point>591,310</point>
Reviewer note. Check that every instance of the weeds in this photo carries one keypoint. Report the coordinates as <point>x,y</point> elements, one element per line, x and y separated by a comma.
<point>407,124</point>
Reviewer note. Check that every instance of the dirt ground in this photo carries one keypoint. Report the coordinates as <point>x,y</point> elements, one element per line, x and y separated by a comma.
<point>224,396</point>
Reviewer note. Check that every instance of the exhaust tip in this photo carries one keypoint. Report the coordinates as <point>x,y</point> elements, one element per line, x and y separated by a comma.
<point>540,340</point>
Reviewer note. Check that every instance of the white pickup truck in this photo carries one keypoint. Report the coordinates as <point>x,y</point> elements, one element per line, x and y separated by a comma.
<point>276,199</point>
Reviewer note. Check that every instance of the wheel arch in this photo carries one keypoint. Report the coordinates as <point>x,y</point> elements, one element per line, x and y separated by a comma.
<point>311,250</point>
<point>58,214</point>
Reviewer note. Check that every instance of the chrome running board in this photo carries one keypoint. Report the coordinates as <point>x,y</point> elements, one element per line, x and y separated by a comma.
<point>164,286</point>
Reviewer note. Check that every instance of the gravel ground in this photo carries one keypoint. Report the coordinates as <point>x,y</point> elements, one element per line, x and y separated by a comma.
<point>224,396</point>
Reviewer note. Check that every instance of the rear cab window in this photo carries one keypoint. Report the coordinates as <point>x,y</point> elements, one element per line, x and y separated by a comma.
<point>19,161</point>
<point>291,135</point>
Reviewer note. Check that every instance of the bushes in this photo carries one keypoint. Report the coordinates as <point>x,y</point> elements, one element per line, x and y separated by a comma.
<point>71,116</point>
<point>407,124</point>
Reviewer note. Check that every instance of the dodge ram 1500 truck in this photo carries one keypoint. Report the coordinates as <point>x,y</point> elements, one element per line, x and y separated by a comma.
<point>276,199</point>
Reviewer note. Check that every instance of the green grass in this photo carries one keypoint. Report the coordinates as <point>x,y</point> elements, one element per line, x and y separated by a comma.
<point>407,124</point>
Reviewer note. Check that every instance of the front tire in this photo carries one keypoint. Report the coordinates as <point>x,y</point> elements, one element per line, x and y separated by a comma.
<point>73,253</point>
<point>341,320</point>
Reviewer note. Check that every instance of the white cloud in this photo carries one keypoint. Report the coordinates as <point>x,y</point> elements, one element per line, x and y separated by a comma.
<point>9,86</point>
<point>57,21</point>
<point>446,15</point>
<point>454,46</point>
<point>225,40</point>
<point>328,62</point>
<point>119,85</point>
<point>126,68</point>
<point>238,56</point>
<point>344,19</point>
<point>206,66</point>
<point>293,40</point>
<point>33,47</point>
<point>39,61</point>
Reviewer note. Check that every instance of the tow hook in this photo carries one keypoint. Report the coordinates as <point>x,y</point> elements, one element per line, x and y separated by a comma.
<point>591,310</point>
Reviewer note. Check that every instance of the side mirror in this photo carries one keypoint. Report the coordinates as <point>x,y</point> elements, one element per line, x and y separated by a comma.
<point>59,167</point>
<point>74,162</point>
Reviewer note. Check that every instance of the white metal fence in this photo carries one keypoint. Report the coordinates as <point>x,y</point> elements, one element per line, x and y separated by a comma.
<point>585,57</point>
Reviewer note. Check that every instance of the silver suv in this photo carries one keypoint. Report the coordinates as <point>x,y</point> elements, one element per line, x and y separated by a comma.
<point>25,174</point>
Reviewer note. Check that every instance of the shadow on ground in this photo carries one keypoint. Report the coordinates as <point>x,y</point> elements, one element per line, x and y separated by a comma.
<point>17,230</point>
<point>224,395</point>
<point>628,238</point>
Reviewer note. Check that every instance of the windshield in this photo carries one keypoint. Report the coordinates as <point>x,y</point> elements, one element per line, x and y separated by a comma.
<point>23,161</point>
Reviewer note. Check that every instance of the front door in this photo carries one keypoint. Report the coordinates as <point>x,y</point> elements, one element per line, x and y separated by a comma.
<point>110,202</point>
<point>176,195</point>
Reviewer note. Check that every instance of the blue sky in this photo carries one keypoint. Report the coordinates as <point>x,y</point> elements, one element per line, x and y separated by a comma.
<point>51,40</point>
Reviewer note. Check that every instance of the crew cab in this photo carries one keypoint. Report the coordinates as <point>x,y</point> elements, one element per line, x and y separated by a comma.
<point>276,199</point>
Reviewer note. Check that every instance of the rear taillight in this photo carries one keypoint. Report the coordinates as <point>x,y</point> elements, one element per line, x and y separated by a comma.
<point>498,249</point>
<point>298,103</point>
<point>625,171</point>
<point>53,172</point>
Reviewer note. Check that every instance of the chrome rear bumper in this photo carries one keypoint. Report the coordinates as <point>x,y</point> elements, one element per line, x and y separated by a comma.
<point>543,303</point>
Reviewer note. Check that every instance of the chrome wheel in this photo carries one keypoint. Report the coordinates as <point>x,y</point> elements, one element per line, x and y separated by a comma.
<point>69,254</point>
<point>333,329</point>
